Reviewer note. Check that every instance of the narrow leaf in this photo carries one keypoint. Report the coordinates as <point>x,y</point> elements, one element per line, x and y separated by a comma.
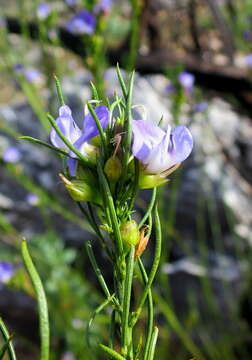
<point>40,142</point>
<point>42,303</point>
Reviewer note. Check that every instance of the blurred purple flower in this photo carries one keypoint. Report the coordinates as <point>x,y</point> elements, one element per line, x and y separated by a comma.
<point>170,88</point>
<point>11,155</point>
<point>247,35</point>
<point>200,107</point>
<point>43,11</point>
<point>7,270</point>
<point>158,150</point>
<point>71,2</point>
<point>187,80</point>
<point>248,60</point>
<point>82,23</point>
<point>72,132</point>
<point>32,199</point>
<point>103,6</point>
<point>32,75</point>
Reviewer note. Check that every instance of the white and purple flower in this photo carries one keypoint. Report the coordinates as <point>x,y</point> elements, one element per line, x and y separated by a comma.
<point>7,270</point>
<point>82,23</point>
<point>43,11</point>
<point>11,155</point>
<point>248,60</point>
<point>77,137</point>
<point>158,150</point>
<point>186,80</point>
<point>103,6</point>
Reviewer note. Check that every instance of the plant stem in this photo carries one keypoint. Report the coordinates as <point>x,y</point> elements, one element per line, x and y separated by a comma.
<point>153,343</point>
<point>126,300</point>
<point>150,207</point>
<point>150,310</point>
<point>42,303</point>
<point>7,339</point>
<point>153,269</point>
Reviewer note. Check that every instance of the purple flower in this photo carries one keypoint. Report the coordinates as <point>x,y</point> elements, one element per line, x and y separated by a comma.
<point>71,131</point>
<point>11,155</point>
<point>32,199</point>
<point>82,23</point>
<point>71,2</point>
<point>200,107</point>
<point>158,150</point>
<point>248,60</point>
<point>186,80</point>
<point>103,6</point>
<point>43,11</point>
<point>247,35</point>
<point>170,88</point>
<point>6,271</point>
<point>32,75</point>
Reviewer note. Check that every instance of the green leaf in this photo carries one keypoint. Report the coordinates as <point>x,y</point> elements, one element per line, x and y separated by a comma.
<point>112,353</point>
<point>5,348</point>
<point>7,339</point>
<point>42,303</point>
<point>40,142</point>
<point>59,90</point>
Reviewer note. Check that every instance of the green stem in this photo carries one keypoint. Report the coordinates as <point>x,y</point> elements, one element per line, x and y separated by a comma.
<point>40,142</point>
<point>126,300</point>
<point>110,203</point>
<point>96,312</point>
<point>42,303</point>
<point>97,271</point>
<point>121,81</point>
<point>111,352</point>
<point>59,91</point>
<point>150,207</point>
<point>153,269</point>
<point>150,310</point>
<point>153,343</point>
<point>7,339</point>
<point>99,127</point>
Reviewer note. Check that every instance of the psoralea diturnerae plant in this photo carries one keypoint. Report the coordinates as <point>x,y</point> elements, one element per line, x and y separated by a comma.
<point>106,163</point>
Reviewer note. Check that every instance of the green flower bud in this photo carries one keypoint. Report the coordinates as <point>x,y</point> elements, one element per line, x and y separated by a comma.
<point>81,191</point>
<point>130,233</point>
<point>147,181</point>
<point>113,168</point>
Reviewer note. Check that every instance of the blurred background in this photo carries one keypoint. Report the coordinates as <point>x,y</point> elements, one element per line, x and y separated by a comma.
<point>194,66</point>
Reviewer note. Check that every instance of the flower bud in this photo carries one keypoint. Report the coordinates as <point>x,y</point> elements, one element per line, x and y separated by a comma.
<point>90,151</point>
<point>113,168</point>
<point>81,191</point>
<point>130,233</point>
<point>147,181</point>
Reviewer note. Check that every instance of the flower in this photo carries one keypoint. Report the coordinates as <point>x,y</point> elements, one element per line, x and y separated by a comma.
<point>200,107</point>
<point>6,271</point>
<point>82,23</point>
<point>78,138</point>
<point>187,80</point>
<point>158,150</point>
<point>11,155</point>
<point>32,75</point>
<point>43,11</point>
<point>32,199</point>
<point>248,60</point>
<point>71,2</point>
<point>103,6</point>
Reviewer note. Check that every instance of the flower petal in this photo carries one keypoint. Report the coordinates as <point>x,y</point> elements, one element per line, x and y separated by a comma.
<point>162,157</point>
<point>72,166</point>
<point>67,126</point>
<point>145,136</point>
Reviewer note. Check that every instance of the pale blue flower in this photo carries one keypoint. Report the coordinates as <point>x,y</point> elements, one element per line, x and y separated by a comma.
<point>43,11</point>
<point>158,150</point>
<point>77,137</point>
<point>187,80</point>
<point>82,23</point>
<point>11,155</point>
<point>7,270</point>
